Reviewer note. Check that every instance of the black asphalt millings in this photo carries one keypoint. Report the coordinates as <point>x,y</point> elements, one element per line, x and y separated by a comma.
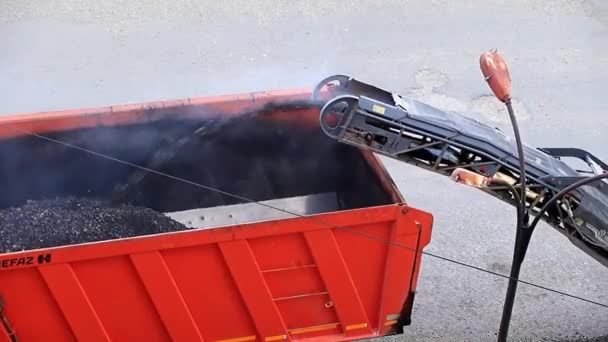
<point>60,222</point>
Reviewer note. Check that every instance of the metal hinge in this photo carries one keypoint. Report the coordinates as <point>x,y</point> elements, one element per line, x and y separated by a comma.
<point>5,323</point>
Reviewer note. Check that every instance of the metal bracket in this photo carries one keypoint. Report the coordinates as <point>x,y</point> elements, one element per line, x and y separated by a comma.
<point>10,332</point>
<point>576,153</point>
<point>563,182</point>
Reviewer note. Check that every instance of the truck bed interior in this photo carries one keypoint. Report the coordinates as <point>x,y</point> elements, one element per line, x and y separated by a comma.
<point>251,156</point>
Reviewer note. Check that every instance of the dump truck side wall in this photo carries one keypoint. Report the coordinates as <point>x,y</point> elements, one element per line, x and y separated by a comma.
<point>275,280</point>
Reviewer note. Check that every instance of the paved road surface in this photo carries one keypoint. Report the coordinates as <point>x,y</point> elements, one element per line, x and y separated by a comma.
<point>67,53</point>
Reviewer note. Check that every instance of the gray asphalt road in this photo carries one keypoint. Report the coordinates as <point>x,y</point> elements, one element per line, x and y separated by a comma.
<point>67,54</point>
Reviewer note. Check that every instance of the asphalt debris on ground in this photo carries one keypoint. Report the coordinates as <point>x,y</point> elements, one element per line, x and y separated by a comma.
<point>574,339</point>
<point>400,338</point>
<point>67,221</point>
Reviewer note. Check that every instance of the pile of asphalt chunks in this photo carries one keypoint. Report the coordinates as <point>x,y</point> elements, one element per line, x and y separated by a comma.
<point>68,221</point>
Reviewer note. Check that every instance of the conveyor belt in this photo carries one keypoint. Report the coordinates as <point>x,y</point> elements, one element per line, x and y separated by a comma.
<point>413,132</point>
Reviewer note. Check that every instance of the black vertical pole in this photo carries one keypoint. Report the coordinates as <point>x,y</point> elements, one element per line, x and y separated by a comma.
<point>523,234</point>
<point>522,240</point>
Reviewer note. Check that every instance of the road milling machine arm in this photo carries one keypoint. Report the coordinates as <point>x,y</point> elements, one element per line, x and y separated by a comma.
<point>470,152</point>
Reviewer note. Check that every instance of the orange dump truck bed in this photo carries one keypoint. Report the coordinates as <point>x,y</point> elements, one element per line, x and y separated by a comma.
<point>342,268</point>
